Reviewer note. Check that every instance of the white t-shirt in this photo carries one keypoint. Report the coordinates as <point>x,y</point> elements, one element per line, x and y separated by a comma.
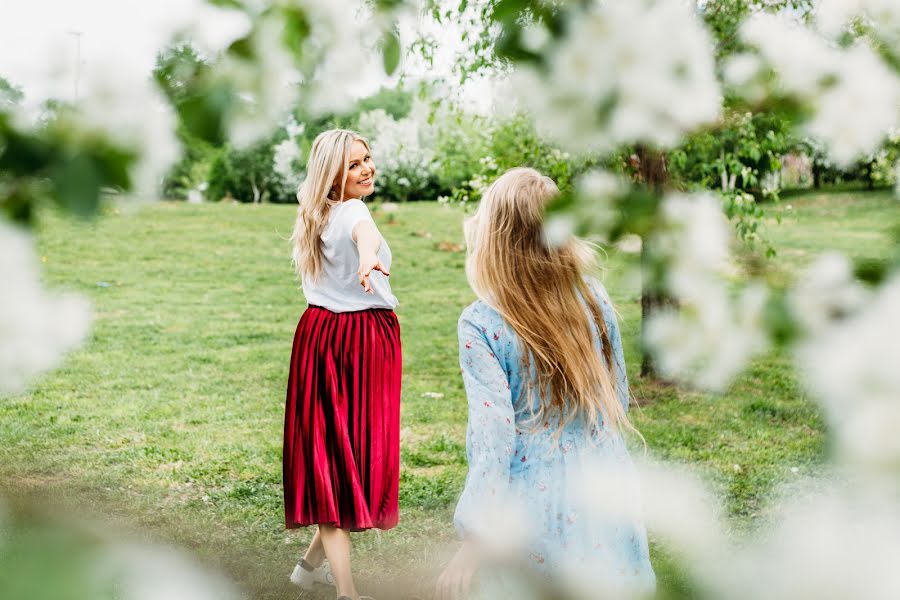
<point>337,287</point>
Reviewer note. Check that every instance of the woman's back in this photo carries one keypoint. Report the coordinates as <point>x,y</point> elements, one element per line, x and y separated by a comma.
<point>538,469</point>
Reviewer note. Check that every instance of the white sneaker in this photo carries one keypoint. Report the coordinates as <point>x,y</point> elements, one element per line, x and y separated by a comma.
<point>307,579</point>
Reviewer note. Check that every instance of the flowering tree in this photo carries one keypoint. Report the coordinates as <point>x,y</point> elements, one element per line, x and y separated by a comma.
<point>595,76</point>
<point>519,36</point>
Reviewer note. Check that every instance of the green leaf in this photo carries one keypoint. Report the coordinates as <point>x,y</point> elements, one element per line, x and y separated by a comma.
<point>507,11</point>
<point>391,52</point>
<point>76,185</point>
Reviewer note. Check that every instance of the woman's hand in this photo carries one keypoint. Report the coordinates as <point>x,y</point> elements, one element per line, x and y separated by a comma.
<point>456,579</point>
<point>367,264</point>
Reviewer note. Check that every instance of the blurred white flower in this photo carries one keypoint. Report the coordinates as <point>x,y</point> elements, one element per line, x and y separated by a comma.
<point>287,153</point>
<point>826,292</point>
<point>402,149</point>
<point>344,33</point>
<point>829,547</point>
<point>852,368</point>
<point>710,338</point>
<point>535,36</point>
<point>854,116</point>
<point>559,229</point>
<point>696,242</point>
<point>211,28</point>
<point>833,16</point>
<point>853,94</point>
<point>597,193</point>
<point>681,511</point>
<point>389,207</point>
<point>502,528</point>
<point>157,573</point>
<point>128,109</point>
<point>625,72</point>
<point>36,328</point>
<point>741,68</point>
<point>630,244</point>
<point>267,85</point>
<point>800,56</point>
<point>294,129</point>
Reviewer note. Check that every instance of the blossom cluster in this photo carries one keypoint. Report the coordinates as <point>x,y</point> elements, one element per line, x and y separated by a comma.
<point>853,95</point>
<point>36,327</point>
<point>624,72</point>
<point>402,150</point>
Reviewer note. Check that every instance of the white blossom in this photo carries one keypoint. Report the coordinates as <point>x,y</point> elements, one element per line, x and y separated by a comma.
<point>825,293</point>
<point>833,16</point>
<point>126,107</point>
<point>287,154</point>
<point>697,242</point>
<point>831,546</point>
<point>36,328</point>
<point>711,336</point>
<point>625,72</point>
<point>267,85</point>
<point>143,572</point>
<point>854,116</point>
<point>855,97</point>
<point>344,34</point>
<point>852,368</point>
<point>402,149</point>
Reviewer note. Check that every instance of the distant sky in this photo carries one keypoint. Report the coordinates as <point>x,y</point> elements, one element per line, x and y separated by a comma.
<point>38,43</point>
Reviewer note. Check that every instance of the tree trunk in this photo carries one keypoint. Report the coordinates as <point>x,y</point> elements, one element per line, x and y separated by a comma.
<point>255,190</point>
<point>652,173</point>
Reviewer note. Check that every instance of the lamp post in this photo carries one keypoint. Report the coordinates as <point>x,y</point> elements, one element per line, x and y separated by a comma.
<point>77,35</point>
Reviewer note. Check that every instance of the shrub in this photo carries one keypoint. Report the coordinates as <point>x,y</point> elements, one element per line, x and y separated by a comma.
<point>403,150</point>
<point>249,175</point>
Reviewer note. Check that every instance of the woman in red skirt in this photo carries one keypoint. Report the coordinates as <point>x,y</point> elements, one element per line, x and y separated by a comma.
<point>342,416</point>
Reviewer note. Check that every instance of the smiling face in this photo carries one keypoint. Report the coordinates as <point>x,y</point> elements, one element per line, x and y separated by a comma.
<point>360,173</point>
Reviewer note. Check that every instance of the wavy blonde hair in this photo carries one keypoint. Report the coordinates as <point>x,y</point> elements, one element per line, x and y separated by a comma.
<point>541,292</point>
<point>329,159</point>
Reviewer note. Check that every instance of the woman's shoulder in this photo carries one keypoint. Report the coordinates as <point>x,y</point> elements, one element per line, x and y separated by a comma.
<point>599,291</point>
<point>354,205</point>
<point>480,314</point>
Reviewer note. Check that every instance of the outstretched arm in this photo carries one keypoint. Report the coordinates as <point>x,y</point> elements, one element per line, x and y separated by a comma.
<point>368,240</point>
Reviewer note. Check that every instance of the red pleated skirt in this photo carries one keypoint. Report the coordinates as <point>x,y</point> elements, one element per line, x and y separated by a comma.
<point>342,421</point>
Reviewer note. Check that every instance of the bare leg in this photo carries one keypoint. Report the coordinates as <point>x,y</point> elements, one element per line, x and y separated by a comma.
<point>315,554</point>
<point>337,548</point>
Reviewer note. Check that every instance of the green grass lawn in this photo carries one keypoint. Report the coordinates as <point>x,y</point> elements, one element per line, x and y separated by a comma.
<point>171,416</point>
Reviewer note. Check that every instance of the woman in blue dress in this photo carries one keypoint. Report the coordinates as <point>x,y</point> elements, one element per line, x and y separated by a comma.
<point>544,373</point>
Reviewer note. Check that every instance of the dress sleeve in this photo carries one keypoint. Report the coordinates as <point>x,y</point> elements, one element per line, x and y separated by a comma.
<point>615,339</point>
<point>353,213</point>
<point>490,435</point>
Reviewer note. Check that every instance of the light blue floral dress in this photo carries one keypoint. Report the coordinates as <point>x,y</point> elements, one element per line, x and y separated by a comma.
<point>510,461</point>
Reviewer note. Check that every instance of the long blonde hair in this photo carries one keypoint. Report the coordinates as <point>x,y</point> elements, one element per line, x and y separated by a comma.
<point>541,292</point>
<point>329,159</point>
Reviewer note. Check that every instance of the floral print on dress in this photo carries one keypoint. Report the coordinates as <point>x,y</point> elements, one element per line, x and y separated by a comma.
<point>513,462</point>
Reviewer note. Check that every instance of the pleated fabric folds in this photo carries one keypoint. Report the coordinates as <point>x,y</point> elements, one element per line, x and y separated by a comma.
<point>342,421</point>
